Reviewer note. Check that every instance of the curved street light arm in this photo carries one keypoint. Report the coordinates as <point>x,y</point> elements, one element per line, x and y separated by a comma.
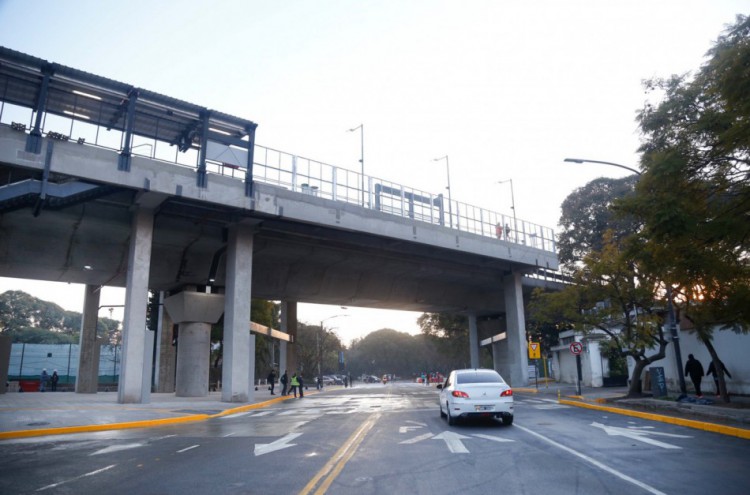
<point>584,160</point>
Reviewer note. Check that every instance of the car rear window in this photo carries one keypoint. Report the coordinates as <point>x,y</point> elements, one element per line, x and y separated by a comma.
<point>478,377</point>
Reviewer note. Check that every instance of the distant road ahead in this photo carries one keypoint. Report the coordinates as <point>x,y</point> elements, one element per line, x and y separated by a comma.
<point>383,440</point>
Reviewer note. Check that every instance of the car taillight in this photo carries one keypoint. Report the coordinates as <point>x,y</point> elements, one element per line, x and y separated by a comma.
<point>458,393</point>
<point>507,393</point>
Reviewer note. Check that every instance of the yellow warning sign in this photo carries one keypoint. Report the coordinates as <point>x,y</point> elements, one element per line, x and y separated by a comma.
<point>535,351</point>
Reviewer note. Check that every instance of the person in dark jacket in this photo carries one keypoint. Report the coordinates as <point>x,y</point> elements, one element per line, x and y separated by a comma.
<point>694,369</point>
<point>715,372</point>
<point>55,378</point>
<point>271,381</point>
<point>284,382</point>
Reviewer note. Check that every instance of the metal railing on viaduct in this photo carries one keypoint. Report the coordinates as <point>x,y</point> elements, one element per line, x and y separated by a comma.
<point>49,100</point>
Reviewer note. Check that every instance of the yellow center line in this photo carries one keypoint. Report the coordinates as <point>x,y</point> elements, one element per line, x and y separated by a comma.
<point>334,466</point>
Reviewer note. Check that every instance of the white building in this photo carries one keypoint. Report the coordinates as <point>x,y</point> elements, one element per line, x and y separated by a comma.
<point>732,348</point>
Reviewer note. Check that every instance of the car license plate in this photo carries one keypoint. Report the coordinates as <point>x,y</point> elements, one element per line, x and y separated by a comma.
<point>483,408</point>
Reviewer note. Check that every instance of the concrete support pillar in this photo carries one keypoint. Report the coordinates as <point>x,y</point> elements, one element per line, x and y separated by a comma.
<point>251,368</point>
<point>473,341</point>
<point>237,376</point>
<point>6,344</point>
<point>193,360</point>
<point>516,370</point>
<point>136,348</point>
<point>87,379</point>
<point>195,312</point>
<point>289,325</point>
<point>167,353</point>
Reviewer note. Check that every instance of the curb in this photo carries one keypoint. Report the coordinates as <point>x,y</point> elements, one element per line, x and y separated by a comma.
<point>149,423</point>
<point>690,423</point>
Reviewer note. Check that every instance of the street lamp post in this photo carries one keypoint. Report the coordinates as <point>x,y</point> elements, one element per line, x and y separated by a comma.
<point>584,160</point>
<point>670,304</point>
<point>448,170</point>
<point>361,128</point>
<point>512,207</point>
<point>320,336</point>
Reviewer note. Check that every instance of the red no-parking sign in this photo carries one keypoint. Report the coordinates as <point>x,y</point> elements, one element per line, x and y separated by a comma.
<point>576,348</point>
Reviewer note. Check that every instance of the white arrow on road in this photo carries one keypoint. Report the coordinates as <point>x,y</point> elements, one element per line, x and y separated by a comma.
<point>453,441</point>
<point>640,435</point>
<point>281,443</point>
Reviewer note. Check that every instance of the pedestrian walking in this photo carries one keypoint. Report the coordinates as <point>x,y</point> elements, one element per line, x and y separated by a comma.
<point>55,378</point>
<point>301,385</point>
<point>714,371</point>
<point>43,379</point>
<point>694,369</point>
<point>271,381</point>
<point>294,385</point>
<point>284,382</point>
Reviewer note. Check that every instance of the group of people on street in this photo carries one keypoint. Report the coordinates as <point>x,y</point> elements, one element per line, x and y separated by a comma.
<point>694,369</point>
<point>288,386</point>
<point>46,378</point>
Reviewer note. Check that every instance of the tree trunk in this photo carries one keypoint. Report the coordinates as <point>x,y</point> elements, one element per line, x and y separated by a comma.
<point>719,370</point>
<point>634,390</point>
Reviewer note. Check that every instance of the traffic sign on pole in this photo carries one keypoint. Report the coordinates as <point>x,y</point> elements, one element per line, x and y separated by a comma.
<point>576,348</point>
<point>535,351</point>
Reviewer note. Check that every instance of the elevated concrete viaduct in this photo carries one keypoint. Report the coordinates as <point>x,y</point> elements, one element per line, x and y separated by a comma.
<point>75,211</point>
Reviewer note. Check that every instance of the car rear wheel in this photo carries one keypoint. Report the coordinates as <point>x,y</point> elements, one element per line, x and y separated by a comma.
<point>442,414</point>
<point>451,419</point>
<point>508,420</point>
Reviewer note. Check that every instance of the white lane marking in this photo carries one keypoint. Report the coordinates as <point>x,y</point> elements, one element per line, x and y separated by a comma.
<point>416,422</point>
<point>187,448</point>
<point>417,439</point>
<point>262,413</point>
<point>236,415</point>
<point>162,438</point>
<point>117,448</point>
<point>640,435</point>
<point>407,429</point>
<point>453,441</point>
<point>490,437</point>
<point>592,461</point>
<point>281,443</point>
<point>77,478</point>
<point>228,435</point>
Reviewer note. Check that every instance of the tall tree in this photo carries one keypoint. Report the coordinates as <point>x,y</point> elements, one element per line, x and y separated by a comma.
<point>694,196</point>
<point>587,214</point>
<point>611,295</point>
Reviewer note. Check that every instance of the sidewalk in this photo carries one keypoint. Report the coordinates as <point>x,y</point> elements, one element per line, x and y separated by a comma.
<point>736,414</point>
<point>49,413</point>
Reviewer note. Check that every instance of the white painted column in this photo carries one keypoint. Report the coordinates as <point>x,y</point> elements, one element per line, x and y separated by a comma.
<point>236,372</point>
<point>136,354</point>
<point>473,341</point>
<point>517,359</point>
<point>87,378</point>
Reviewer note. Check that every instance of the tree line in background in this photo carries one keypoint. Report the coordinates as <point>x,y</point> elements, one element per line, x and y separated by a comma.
<point>675,235</point>
<point>28,319</point>
<point>33,321</point>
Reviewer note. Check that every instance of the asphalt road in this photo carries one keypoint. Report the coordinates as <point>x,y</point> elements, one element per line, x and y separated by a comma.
<point>377,439</point>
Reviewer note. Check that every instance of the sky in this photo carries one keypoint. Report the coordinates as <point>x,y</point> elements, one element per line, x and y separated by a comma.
<point>505,89</point>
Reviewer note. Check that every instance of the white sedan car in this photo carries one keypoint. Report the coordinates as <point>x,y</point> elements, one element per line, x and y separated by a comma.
<point>476,393</point>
